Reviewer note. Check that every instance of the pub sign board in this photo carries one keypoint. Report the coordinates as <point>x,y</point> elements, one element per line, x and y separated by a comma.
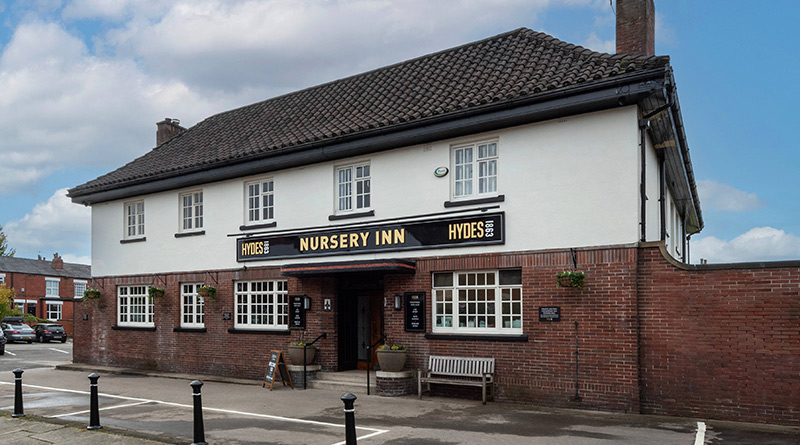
<point>458,231</point>
<point>549,313</point>
<point>415,311</point>
<point>297,312</point>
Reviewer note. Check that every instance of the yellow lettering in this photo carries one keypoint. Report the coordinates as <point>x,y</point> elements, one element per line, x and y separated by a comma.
<point>399,236</point>
<point>452,231</point>
<point>343,241</point>
<point>353,240</point>
<point>303,244</point>
<point>334,242</point>
<point>323,242</point>
<point>364,237</point>
<point>259,247</point>
<point>386,237</point>
<point>481,233</point>
<point>314,243</point>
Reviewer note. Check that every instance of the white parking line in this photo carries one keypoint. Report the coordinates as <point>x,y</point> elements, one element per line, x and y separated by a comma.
<point>700,437</point>
<point>10,353</point>
<point>99,409</point>
<point>59,350</point>
<point>374,431</point>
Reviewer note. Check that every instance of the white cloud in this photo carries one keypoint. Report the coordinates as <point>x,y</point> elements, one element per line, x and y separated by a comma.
<point>723,197</point>
<point>56,225</point>
<point>595,43</point>
<point>757,244</point>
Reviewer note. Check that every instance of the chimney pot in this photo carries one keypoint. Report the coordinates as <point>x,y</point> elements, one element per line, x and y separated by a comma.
<point>57,262</point>
<point>636,27</point>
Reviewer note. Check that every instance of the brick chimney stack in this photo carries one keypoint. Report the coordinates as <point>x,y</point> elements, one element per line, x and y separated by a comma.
<point>636,27</point>
<point>57,262</point>
<point>167,129</point>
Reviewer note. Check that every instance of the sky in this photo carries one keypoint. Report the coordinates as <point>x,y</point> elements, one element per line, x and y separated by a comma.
<point>83,82</point>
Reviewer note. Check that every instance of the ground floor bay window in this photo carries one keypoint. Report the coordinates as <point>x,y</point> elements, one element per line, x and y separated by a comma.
<point>262,305</point>
<point>192,306</point>
<point>134,307</point>
<point>478,302</point>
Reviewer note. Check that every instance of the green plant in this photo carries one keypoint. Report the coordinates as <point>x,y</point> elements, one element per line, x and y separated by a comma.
<point>391,348</point>
<point>6,299</point>
<point>207,292</point>
<point>91,294</point>
<point>570,278</point>
<point>28,318</point>
<point>300,341</point>
<point>155,292</point>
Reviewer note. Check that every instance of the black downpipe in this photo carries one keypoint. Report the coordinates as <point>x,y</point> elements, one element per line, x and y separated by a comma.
<point>643,124</point>
<point>662,195</point>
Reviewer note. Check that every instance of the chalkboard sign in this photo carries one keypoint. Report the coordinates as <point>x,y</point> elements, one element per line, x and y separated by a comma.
<point>550,313</point>
<point>297,312</point>
<point>415,311</point>
<point>276,362</point>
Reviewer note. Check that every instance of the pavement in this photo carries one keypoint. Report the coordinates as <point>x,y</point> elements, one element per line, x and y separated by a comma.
<point>148,408</point>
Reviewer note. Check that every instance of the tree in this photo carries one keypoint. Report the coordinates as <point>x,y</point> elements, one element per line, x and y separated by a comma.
<point>6,299</point>
<point>4,249</point>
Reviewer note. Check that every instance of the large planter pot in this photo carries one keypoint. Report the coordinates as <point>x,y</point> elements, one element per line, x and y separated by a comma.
<point>296,354</point>
<point>392,360</point>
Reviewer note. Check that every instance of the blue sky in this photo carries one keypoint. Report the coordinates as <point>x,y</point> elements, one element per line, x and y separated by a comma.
<point>82,84</point>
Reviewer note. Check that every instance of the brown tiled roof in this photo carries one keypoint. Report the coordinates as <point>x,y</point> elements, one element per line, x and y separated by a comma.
<point>511,66</point>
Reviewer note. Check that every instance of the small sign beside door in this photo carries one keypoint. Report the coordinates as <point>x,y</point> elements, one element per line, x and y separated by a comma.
<point>415,311</point>
<point>297,312</point>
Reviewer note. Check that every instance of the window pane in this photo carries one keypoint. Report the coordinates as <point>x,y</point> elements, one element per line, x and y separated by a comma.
<point>510,276</point>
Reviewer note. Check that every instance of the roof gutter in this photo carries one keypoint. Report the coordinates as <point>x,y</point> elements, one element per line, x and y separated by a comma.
<point>622,91</point>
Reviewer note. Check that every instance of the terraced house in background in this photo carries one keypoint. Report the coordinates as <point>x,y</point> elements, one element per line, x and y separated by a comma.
<point>434,202</point>
<point>45,288</point>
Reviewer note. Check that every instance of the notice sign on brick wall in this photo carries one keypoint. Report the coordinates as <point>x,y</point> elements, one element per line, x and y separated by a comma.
<point>549,313</point>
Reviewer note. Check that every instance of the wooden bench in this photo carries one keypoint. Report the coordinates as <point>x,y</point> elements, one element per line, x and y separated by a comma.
<point>465,371</point>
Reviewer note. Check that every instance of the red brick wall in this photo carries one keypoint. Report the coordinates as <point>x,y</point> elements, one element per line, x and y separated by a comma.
<point>720,342</point>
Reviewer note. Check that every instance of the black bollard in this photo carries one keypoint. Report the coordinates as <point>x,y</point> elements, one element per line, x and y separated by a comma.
<point>94,407</point>
<point>18,411</point>
<point>199,431</point>
<point>349,419</point>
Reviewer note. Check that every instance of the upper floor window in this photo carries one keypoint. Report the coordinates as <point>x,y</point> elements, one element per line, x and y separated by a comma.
<point>262,304</point>
<point>478,302</point>
<point>80,288</point>
<point>134,306</point>
<point>260,200</point>
<point>134,219</point>
<point>2,278</point>
<point>353,187</point>
<point>51,287</point>
<point>475,169</point>
<point>191,211</point>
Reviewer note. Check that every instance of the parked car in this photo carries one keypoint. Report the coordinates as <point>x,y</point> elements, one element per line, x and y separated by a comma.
<point>45,332</point>
<point>2,344</point>
<point>15,330</point>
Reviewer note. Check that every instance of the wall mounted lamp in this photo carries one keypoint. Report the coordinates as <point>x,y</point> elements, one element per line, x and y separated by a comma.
<point>398,302</point>
<point>306,302</point>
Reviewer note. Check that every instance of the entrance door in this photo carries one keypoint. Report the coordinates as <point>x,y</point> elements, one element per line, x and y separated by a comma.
<point>360,326</point>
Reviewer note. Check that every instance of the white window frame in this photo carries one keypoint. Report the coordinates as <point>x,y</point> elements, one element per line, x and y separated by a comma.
<point>80,287</point>
<point>2,278</point>
<point>475,169</point>
<point>353,187</point>
<point>51,285</point>
<point>54,307</point>
<point>259,205</point>
<point>134,306</point>
<point>134,219</point>
<point>465,307</point>
<point>191,211</point>
<point>261,304</point>
<point>192,306</point>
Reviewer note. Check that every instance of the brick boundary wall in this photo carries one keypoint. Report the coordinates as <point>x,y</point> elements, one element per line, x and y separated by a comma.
<point>720,341</point>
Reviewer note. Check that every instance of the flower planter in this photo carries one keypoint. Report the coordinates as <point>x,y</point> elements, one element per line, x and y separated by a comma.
<point>296,354</point>
<point>392,360</point>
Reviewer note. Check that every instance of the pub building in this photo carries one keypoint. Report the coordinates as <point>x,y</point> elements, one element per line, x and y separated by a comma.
<point>430,204</point>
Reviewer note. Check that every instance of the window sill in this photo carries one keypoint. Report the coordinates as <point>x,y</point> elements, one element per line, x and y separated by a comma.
<point>469,202</point>
<point>259,226</point>
<point>133,240</point>
<point>133,328</point>
<point>350,215</point>
<point>185,234</point>
<point>257,331</point>
<point>181,329</point>
<point>484,337</point>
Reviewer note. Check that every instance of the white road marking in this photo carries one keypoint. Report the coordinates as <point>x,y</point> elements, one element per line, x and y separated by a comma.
<point>10,353</point>
<point>99,409</point>
<point>374,431</point>
<point>58,350</point>
<point>700,437</point>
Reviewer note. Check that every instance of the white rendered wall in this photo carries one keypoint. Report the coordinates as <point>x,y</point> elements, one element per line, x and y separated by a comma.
<point>567,183</point>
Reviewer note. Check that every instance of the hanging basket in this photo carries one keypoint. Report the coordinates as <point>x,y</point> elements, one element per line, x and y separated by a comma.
<point>569,278</point>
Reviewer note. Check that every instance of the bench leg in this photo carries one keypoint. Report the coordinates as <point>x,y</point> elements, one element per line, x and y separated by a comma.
<point>483,389</point>
<point>419,383</point>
